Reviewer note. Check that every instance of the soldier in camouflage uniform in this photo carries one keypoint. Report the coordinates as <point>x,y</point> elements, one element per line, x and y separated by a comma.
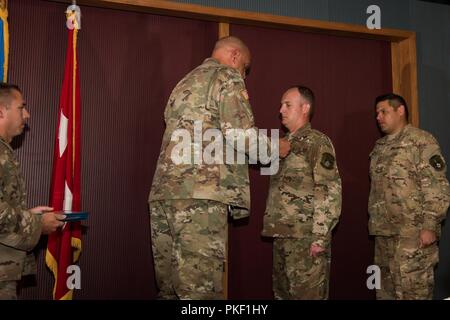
<point>189,202</point>
<point>409,197</point>
<point>20,228</point>
<point>303,205</point>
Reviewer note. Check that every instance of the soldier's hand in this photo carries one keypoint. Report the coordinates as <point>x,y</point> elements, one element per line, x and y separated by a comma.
<point>51,221</point>
<point>426,238</point>
<point>40,209</point>
<point>315,250</point>
<point>284,147</point>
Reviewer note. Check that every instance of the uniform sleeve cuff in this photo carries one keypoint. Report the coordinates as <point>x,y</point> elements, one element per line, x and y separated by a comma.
<point>429,224</point>
<point>324,243</point>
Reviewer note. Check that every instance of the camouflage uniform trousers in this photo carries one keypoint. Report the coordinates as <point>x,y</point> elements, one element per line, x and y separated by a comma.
<point>188,242</point>
<point>297,275</point>
<point>407,271</point>
<point>8,290</point>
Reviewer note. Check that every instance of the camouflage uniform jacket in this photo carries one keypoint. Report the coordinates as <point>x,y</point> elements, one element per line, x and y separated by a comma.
<point>19,229</point>
<point>215,96</point>
<point>409,190</point>
<point>305,195</point>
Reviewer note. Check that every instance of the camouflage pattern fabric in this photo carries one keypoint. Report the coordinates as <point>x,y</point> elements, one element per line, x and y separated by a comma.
<point>409,193</point>
<point>8,290</point>
<point>409,190</point>
<point>296,274</point>
<point>407,271</point>
<point>19,229</point>
<point>214,95</point>
<point>188,242</point>
<point>304,203</point>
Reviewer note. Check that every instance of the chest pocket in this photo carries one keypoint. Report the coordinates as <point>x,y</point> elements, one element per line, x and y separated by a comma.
<point>394,163</point>
<point>296,168</point>
<point>401,168</point>
<point>397,176</point>
<point>297,184</point>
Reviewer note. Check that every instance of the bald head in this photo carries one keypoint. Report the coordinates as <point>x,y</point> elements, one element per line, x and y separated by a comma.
<point>231,42</point>
<point>233,52</point>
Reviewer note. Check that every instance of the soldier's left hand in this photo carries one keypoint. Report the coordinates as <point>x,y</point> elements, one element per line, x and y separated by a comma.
<point>284,147</point>
<point>426,238</point>
<point>315,250</point>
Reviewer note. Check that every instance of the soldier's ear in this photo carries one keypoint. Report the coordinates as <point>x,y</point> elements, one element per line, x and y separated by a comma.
<point>401,110</point>
<point>234,55</point>
<point>306,108</point>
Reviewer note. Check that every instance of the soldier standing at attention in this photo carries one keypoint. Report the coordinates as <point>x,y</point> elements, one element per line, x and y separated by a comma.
<point>303,205</point>
<point>20,228</point>
<point>409,197</point>
<point>189,201</point>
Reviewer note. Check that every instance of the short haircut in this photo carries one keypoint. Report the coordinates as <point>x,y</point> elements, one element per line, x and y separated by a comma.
<point>231,41</point>
<point>308,95</point>
<point>395,101</point>
<point>6,93</point>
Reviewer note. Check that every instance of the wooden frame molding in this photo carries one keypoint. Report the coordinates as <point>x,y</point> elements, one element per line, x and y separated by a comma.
<point>404,74</point>
<point>403,43</point>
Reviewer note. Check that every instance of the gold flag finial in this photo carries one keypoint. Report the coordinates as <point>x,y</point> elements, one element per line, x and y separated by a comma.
<point>73,16</point>
<point>3,4</point>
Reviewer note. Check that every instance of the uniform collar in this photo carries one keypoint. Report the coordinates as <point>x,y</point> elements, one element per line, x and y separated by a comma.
<point>211,60</point>
<point>398,137</point>
<point>3,141</point>
<point>300,132</point>
<point>214,62</point>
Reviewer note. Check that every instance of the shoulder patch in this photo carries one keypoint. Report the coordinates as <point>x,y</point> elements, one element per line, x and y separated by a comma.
<point>437,162</point>
<point>327,161</point>
<point>244,94</point>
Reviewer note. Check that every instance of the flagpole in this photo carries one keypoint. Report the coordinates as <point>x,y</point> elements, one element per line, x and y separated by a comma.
<point>64,246</point>
<point>74,86</point>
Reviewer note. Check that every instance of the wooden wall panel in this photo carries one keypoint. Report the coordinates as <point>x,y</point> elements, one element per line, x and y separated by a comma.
<point>404,75</point>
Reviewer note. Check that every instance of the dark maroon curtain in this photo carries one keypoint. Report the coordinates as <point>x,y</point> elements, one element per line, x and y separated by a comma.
<point>346,74</point>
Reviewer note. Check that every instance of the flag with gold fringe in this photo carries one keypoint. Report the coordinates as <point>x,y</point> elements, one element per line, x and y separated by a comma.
<point>64,246</point>
<point>4,40</point>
